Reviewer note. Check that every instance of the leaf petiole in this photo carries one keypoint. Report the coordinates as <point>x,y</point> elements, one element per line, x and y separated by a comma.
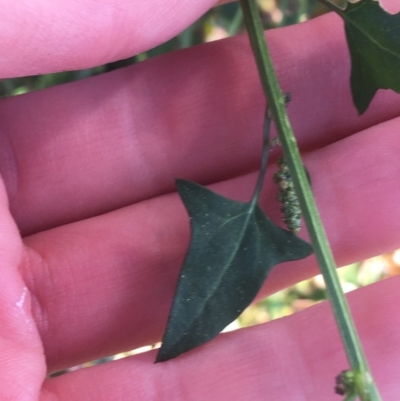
<point>264,158</point>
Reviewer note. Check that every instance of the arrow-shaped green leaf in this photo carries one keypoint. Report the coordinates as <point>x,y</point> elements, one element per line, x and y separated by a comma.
<point>373,37</point>
<point>233,248</point>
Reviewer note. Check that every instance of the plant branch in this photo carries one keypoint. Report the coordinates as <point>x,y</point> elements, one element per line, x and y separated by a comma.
<point>364,384</point>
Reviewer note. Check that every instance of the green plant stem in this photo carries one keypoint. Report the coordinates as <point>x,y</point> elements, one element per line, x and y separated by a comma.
<point>350,397</point>
<point>364,383</point>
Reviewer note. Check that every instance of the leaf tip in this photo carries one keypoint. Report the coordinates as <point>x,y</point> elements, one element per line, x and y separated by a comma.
<point>362,105</point>
<point>167,352</point>
<point>185,186</point>
<point>159,358</point>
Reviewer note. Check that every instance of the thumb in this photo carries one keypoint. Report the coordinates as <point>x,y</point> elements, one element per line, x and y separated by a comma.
<point>22,364</point>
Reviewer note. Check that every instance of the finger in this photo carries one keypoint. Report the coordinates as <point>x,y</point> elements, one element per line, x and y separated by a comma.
<point>21,352</point>
<point>295,358</point>
<point>104,285</point>
<point>86,148</point>
<point>41,37</point>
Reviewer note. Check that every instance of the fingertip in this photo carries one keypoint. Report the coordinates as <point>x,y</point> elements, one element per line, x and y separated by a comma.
<point>42,37</point>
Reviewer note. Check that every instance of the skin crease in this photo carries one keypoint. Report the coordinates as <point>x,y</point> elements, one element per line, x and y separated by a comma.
<point>92,233</point>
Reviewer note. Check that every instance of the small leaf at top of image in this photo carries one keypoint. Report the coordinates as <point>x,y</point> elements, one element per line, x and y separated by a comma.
<point>373,38</point>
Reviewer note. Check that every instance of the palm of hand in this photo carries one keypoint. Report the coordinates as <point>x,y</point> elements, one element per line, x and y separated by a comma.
<point>88,174</point>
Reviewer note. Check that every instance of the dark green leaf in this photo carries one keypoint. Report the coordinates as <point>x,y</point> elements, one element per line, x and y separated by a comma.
<point>373,37</point>
<point>233,248</point>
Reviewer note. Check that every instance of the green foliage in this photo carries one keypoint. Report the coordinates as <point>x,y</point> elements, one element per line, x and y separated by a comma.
<point>233,248</point>
<point>373,37</point>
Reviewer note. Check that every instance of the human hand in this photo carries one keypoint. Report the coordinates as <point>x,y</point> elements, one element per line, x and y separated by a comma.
<point>88,182</point>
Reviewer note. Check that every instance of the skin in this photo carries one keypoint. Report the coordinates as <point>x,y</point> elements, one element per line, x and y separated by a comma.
<point>92,233</point>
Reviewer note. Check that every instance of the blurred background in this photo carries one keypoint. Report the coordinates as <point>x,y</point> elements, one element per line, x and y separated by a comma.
<point>219,23</point>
